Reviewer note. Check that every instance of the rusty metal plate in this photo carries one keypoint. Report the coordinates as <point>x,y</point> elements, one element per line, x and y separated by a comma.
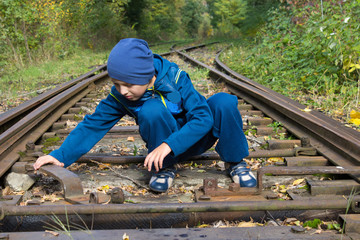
<point>70,182</point>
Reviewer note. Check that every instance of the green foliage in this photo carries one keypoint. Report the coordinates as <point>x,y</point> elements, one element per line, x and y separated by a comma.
<point>231,13</point>
<point>313,224</point>
<point>334,226</point>
<point>303,49</point>
<point>26,81</point>
<point>191,15</point>
<point>158,21</point>
<point>135,151</point>
<point>51,142</point>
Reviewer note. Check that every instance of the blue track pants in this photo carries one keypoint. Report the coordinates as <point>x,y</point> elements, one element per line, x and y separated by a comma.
<point>156,124</point>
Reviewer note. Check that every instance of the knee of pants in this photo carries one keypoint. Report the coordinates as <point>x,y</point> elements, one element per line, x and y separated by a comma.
<point>152,110</point>
<point>222,102</point>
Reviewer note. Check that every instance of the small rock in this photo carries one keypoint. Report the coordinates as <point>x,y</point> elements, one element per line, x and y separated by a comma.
<point>298,229</point>
<point>19,182</point>
<point>271,223</point>
<point>27,196</point>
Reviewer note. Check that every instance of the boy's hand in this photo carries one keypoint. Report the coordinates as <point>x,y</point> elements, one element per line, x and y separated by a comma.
<point>157,156</point>
<point>45,160</point>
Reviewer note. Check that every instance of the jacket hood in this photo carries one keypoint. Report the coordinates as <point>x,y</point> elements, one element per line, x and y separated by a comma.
<point>164,69</point>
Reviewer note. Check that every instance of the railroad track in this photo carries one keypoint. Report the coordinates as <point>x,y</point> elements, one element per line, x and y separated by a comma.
<point>287,144</point>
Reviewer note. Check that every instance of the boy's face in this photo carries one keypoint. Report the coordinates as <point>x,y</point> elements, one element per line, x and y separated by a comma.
<point>132,92</point>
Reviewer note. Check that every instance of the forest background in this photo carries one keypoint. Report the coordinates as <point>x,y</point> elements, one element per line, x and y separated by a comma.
<point>306,49</point>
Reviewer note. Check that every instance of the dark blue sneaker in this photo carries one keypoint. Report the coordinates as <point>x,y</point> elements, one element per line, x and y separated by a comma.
<point>240,173</point>
<point>162,181</point>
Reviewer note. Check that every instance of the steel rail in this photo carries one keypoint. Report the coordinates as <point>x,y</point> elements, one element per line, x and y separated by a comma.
<point>18,112</point>
<point>25,125</point>
<point>262,98</point>
<point>268,205</point>
<point>331,122</point>
<point>340,146</point>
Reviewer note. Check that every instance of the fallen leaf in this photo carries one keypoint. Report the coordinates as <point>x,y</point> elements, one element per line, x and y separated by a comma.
<point>130,139</point>
<point>354,117</point>
<point>355,121</point>
<point>126,237</point>
<point>201,171</point>
<point>306,109</point>
<point>103,166</point>
<point>105,187</point>
<point>354,114</point>
<point>247,224</point>
<point>6,191</point>
<point>298,181</point>
<point>203,225</point>
<point>316,232</point>
<point>276,159</point>
<point>52,232</point>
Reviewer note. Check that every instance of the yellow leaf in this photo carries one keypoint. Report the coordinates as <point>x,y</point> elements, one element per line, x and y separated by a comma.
<point>355,121</point>
<point>275,159</point>
<point>103,166</point>
<point>306,109</point>
<point>247,224</point>
<point>298,181</point>
<point>126,237</point>
<point>203,226</point>
<point>354,114</point>
<point>105,187</point>
<point>282,189</point>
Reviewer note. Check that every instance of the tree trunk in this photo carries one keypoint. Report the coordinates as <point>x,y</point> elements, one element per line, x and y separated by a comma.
<point>26,41</point>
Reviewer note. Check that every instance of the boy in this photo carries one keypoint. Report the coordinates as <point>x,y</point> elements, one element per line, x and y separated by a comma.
<point>174,120</point>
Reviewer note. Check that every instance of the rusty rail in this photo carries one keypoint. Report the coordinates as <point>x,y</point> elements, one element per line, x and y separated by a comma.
<point>337,143</point>
<point>8,118</point>
<point>269,205</point>
<point>10,138</point>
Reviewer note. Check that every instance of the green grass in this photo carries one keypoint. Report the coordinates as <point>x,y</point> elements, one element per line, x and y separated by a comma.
<point>21,85</point>
<point>27,81</point>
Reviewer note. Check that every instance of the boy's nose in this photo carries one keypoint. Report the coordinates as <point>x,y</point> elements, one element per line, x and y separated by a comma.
<point>124,90</point>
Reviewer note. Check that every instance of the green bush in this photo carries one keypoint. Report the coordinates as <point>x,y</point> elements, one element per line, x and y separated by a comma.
<point>306,48</point>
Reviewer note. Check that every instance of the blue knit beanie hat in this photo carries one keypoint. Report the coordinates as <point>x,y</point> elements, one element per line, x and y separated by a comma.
<point>131,61</point>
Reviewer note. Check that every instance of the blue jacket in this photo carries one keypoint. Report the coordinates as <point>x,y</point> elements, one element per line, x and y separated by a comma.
<point>172,86</point>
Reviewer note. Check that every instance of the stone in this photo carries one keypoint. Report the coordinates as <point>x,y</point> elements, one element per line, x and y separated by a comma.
<point>18,181</point>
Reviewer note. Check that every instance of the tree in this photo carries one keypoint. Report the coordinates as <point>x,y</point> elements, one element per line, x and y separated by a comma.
<point>191,16</point>
<point>231,11</point>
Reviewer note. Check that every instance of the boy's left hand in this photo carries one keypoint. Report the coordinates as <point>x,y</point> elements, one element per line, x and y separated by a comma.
<point>157,156</point>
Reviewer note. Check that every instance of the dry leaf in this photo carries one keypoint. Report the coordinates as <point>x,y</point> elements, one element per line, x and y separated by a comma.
<point>354,114</point>
<point>126,237</point>
<point>298,181</point>
<point>130,139</point>
<point>306,109</point>
<point>6,191</point>
<point>52,232</point>
<point>247,224</point>
<point>105,187</point>
<point>103,166</point>
<point>276,159</point>
<point>354,117</point>
<point>203,225</point>
<point>316,232</point>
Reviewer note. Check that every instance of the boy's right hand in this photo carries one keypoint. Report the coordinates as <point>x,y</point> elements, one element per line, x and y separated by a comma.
<point>45,160</point>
